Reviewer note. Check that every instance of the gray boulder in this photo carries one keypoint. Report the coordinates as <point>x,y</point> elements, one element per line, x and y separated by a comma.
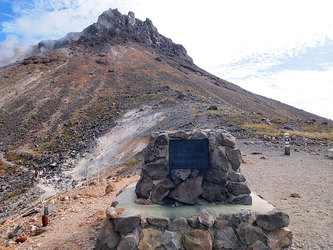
<point>178,224</point>
<point>171,240</point>
<point>238,188</point>
<point>188,191</point>
<point>156,170</point>
<point>226,238</point>
<point>236,177</point>
<point>242,200</point>
<point>128,242</point>
<point>216,176</point>
<point>161,190</point>
<point>249,234</point>
<point>159,222</point>
<point>228,140</point>
<point>144,186</point>
<point>218,160</point>
<point>107,237</point>
<point>235,157</point>
<point>214,193</point>
<point>125,225</point>
<point>273,220</point>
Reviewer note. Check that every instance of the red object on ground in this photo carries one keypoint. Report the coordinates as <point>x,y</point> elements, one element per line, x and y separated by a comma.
<point>45,220</point>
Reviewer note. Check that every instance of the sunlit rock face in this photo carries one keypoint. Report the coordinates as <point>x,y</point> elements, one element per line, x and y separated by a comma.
<point>194,167</point>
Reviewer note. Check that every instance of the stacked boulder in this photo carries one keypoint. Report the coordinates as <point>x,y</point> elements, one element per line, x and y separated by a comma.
<point>245,230</point>
<point>222,183</point>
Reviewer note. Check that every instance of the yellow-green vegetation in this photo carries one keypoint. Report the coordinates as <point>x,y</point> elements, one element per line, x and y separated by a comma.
<point>12,195</point>
<point>264,129</point>
<point>313,135</point>
<point>129,165</point>
<point>311,131</point>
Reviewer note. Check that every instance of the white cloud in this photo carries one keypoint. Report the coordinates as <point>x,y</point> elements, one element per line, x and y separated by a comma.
<point>308,90</point>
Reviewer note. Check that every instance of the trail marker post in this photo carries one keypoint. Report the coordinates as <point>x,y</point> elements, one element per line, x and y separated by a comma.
<point>286,143</point>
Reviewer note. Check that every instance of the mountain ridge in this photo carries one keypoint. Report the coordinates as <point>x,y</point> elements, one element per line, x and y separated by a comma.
<point>55,104</point>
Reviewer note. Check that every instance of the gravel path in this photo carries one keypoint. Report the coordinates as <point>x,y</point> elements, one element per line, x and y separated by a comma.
<point>306,176</point>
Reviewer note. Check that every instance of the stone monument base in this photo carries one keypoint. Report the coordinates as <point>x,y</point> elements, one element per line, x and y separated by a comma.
<point>132,226</point>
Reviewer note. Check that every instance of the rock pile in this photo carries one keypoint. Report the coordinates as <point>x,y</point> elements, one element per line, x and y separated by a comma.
<point>222,182</point>
<point>245,230</point>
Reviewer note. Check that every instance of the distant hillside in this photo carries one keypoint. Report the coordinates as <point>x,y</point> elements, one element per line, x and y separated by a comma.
<point>54,104</point>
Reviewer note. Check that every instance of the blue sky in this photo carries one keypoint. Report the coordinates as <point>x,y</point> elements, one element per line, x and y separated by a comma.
<point>279,49</point>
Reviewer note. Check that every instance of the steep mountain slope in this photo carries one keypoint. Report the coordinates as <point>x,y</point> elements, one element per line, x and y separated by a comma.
<point>53,105</point>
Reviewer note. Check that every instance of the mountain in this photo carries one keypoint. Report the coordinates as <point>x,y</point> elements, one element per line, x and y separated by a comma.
<point>55,103</point>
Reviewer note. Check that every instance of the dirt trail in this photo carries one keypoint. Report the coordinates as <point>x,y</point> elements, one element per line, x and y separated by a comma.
<point>301,184</point>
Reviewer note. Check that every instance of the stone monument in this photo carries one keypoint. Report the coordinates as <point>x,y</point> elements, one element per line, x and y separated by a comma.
<point>192,195</point>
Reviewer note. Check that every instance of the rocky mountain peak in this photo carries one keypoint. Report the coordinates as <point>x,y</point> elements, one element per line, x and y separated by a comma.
<point>112,27</point>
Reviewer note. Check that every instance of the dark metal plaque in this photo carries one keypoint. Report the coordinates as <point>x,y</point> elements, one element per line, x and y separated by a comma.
<point>191,154</point>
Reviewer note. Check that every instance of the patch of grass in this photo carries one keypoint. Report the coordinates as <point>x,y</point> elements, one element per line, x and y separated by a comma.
<point>12,195</point>
<point>264,129</point>
<point>129,165</point>
<point>237,122</point>
<point>11,157</point>
<point>313,135</point>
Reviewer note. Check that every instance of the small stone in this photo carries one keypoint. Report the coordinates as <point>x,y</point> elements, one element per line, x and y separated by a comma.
<point>144,186</point>
<point>144,223</point>
<point>159,222</point>
<point>197,135</point>
<point>295,195</point>
<point>249,234</point>
<point>280,239</point>
<point>258,245</point>
<point>212,107</point>
<point>128,242</point>
<point>194,221</point>
<point>235,158</point>
<point>161,140</point>
<point>109,188</point>
<point>218,160</point>
<point>188,191</point>
<point>178,224</point>
<point>221,222</point>
<point>242,200</point>
<point>21,239</point>
<point>150,239</point>
<point>157,170</point>
<point>171,240</point>
<point>248,216</point>
<point>125,225</point>
<point>214,193</point>
<point>182,173</point>
<point>226,239</point>
<point>273,220</point>
<point>161,190</point>
<point>216,176</point>
<point>113,213</point>
<point>107,237</point>
<point>181,134</point>
<point>236,177</point>
<point>228,140</point>
<point>143,202</point>
<point>197,240</point>
<point>238,188</point>
<point>205,218</point>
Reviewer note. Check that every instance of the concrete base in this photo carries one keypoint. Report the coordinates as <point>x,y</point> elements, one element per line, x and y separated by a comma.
<point>127,200</point>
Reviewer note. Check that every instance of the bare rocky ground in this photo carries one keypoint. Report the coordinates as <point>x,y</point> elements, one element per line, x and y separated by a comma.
<point>301,184</point>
